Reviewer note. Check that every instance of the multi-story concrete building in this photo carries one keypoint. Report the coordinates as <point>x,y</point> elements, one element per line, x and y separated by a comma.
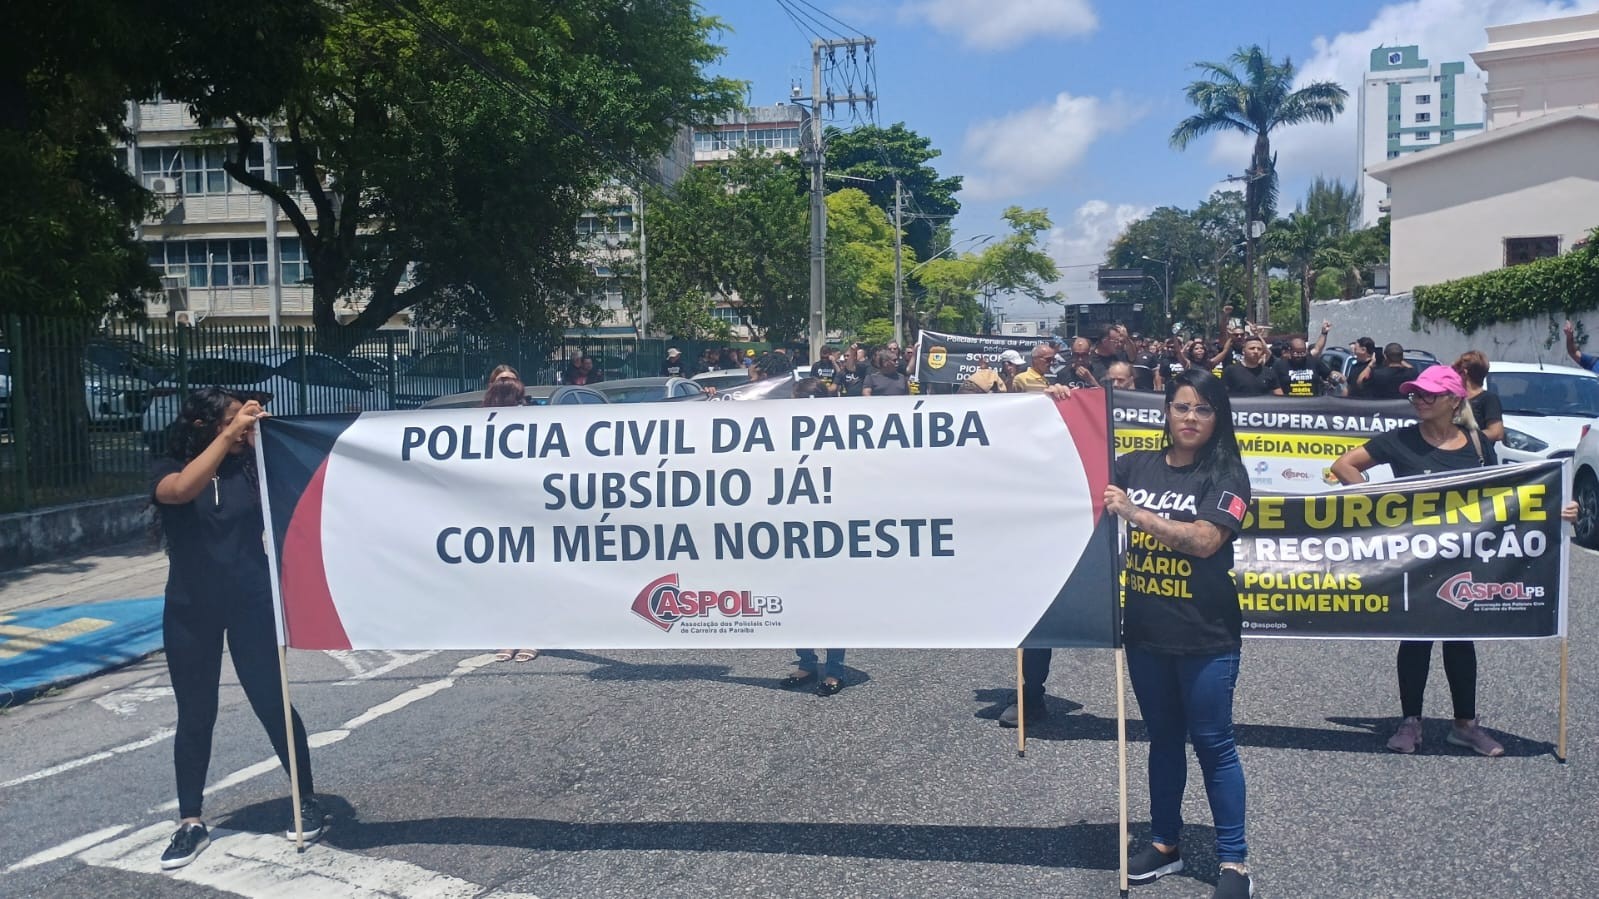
<point>1408,104</point>
<point>1525,188</point>
<point>776,128</point>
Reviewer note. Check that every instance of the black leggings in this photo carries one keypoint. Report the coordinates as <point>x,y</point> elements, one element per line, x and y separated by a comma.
<point>194,661</point>
<point>1460,667</point>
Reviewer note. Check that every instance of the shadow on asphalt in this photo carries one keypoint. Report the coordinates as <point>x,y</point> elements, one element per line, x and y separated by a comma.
<point>611,669</point>
<point>77,564</point>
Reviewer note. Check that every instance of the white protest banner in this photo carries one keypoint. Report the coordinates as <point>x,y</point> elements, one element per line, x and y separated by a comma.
<point>970,521</point>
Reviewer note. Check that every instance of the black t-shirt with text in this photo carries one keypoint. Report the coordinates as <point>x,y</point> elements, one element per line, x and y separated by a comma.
<point>676,368</point>
<point>825,371</point>
<point>1144,371</point>
<point>214,541</point>
<point>1408,453</point>
<point>1171,367</point>
<point>1384,380</point>
<point>849,380</point>
<point>1241,380</point>
<point>1304,377</point>
<point>1176,603</point>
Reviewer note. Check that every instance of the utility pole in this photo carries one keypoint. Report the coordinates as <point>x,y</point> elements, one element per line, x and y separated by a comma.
<point>821,49</point>
<point>643,271</point>
<point>899,283</point>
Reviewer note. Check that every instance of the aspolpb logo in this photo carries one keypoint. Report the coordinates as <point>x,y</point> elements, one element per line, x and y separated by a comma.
<point>1462,590</point>
<point>663,603</point>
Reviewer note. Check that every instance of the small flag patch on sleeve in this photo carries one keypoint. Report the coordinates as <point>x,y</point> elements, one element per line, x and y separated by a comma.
<point>1233,505</point>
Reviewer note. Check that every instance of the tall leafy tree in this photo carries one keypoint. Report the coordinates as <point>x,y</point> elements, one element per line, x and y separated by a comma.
<point>447,147</point>
<point>880,154</point>
<point>1252,94</point>
<point>1334,202</point>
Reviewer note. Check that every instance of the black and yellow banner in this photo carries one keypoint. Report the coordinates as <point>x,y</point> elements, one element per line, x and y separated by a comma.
<point>1471,555</point>
<point>951,358</point>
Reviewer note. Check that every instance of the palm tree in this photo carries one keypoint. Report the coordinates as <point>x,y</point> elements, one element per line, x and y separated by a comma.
<point>1252,94</point>
<point>1295,243</point>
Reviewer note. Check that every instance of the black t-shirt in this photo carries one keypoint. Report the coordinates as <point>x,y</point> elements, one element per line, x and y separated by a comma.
<point>1384,380</point>
<point>676,368</point>
<point>214,541</point>
<point>850,380</point>
<point>1177,603</point>
<point>1144,371</point>
<point>1171,367</point>
<point>1408,453</point>
<point>1067,376</point>
<point>886,385</point>
<point>1306,377</point>
<point>1356,388</point>
<point>1486,408</point>
<point>1241,380</point>
<point>825,371</point>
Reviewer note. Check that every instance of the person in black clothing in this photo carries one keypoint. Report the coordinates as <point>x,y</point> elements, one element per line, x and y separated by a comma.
<point>1300,372</point>
<point>1172,363</point>
<point>675,366</point>
<point>1485,406</point>
<point>208,506</point>
<point>1381,382</point>
<point>1079,370</point>
<point>826,368</point>
<point>887,380</point>
<point>1146,364</point>
<point>1253,376</point>
<point>852,371</point>
<point>1184,506</point>
<point>1364,352</point>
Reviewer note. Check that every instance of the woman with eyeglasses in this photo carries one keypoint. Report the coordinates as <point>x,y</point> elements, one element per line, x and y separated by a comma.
<point>1184,505</point>
<point>1445,438</point>
<point>505,389</point>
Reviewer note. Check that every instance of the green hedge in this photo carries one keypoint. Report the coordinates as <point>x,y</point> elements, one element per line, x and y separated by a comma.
<point>1558,286</point>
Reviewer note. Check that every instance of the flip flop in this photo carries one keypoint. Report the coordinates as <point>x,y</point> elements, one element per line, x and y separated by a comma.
<point>829,687</point>
<point>503,655</point>
<point>794,680</point>
<point>526,655</point>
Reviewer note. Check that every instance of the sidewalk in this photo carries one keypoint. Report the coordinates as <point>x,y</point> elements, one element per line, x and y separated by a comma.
<point>66,620</point>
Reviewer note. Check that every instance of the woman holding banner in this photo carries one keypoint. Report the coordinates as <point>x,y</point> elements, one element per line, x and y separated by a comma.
<point>1182,625</point>
<point>208,507</point>
<point>1445,438</point>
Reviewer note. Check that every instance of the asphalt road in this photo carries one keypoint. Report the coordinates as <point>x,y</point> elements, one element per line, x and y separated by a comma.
<point>667,774</point>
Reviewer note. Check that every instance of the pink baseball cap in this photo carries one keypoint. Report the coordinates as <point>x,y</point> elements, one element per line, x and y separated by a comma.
<point>1437,379</point>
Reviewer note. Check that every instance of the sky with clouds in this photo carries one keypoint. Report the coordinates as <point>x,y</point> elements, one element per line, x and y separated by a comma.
<point>1069,104</point>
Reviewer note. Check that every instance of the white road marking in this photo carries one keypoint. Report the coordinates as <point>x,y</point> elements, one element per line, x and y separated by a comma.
<point>126,702</point>
<point>70,847</point>
<point>352,661</point>
<point>164,733</point>
<point>251,864</point>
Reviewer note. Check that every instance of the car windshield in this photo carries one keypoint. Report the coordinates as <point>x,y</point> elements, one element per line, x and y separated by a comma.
<point>645,394</point>
<point>1546,393</point>
<point>721,381</point>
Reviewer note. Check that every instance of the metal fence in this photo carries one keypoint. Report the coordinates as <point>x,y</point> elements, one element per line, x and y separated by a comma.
<point>83,404</point>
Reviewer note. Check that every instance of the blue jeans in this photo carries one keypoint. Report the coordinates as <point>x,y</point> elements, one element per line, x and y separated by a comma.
<point>1191,697</point>
<point>835,662</point>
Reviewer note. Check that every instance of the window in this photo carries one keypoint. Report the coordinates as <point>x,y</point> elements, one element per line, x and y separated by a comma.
<point>227,371</point>
<point>1423,135</point>
<point>285,177</point>
<point>320,371</point>
<point>215,263</point>
<point>729,314</point>
<point>1519,250</point>
<point>292,265</point>
<point>1423,117</point>
<point>1423,99</point>
<point>732,138</point>
<point>1393,135</point>
<point>1393,154</point>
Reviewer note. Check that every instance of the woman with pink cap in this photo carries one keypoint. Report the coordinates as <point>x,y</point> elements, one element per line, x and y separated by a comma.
<point>1445,438</point>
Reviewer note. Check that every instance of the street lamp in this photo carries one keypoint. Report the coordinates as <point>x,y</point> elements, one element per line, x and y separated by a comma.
<point>1166,291</point>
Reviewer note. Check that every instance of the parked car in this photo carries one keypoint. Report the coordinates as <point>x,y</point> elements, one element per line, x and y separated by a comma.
<point>653,390</point>
<point>537,395</point>
<point>109,399</point>
<point>1342,362</point>
<point>1545,408</point>
<point>299,385</point>
<point>440,373</point>
<point>721,379</point>
<point>1585,486</point>
<point>128,357</point>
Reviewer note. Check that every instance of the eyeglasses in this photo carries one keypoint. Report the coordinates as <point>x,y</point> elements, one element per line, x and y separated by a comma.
<point>1424,399</point>
<point>1203,413</point>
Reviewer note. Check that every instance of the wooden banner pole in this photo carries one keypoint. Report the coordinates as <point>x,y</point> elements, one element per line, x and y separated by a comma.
<point>1121,765</point>
<point>1560,743</point>
<point>294,762</point>
<point>1021,711</point>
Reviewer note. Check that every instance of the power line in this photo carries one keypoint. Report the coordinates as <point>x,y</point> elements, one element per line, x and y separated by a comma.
<point>848,29</point>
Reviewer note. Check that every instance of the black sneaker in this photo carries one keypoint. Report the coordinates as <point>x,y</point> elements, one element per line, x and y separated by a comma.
<point>312,818</point>
<point>1036,712</point>
<point>1148,864</point>
<point>186,846</point>
<point>1233,884</point>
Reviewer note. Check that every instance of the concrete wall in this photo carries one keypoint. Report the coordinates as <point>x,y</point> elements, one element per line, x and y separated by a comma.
<point>1385,319</point>
<point>1451,215</point>
<point>29,537</point>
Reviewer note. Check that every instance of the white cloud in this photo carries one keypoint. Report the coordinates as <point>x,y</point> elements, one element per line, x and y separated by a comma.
<point>1078,246</point>
<point>1026,150</point>
<point>1446,31</point>
<point>1001,24</point>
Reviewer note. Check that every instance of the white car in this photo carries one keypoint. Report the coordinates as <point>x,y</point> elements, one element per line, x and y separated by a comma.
<point>299,385</point>
<point>109,399</point>
<point>1585,486</point>
<point>1545,408</point>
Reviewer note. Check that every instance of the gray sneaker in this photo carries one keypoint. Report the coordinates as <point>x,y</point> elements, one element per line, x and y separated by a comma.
<point>1407,738</point>
<point>1476,739</point>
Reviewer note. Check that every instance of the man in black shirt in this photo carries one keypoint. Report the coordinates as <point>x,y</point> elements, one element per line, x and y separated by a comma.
<point>1364,352</point>
<point>826,368</point>
<point>1252,376</point>
<point>1381,382</point>
<point>1146,361</point>
<point>674,366</point>
<point>1300,372</point>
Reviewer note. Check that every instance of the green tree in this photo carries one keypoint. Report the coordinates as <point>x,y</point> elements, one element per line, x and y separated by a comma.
<point>1252,94</point>
<point>860,260</point>
<point>879,154</point>
<point>1334,202</point>
<point>447,147</point>
<point>1202,247</point>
